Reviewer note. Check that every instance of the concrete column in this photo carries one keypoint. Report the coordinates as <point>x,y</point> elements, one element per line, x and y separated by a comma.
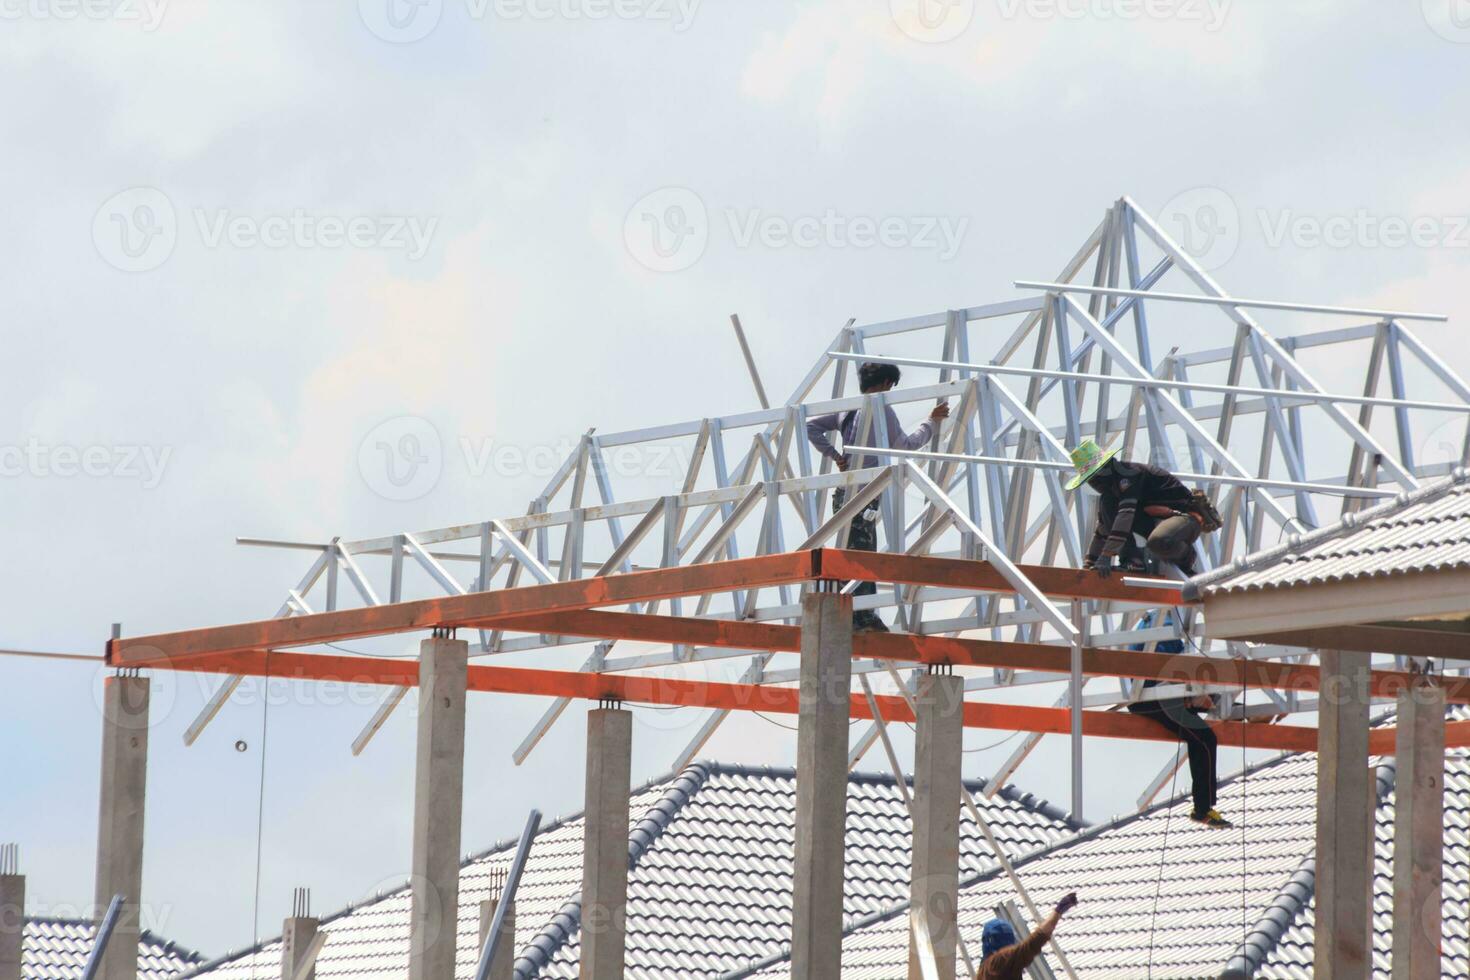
<point>1418,834</point>
<point>938,754</point>
<point>12,913</point>
<point>296,937</point>
<point>605,843</point>
<point>821,785</point>
<point>438,807</point>
<point>120,817</point>
<point>503,966</point>
<point>1346,796</point>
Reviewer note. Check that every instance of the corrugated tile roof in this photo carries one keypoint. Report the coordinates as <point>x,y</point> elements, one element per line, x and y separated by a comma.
<point>1427,530</point>
<point>1292,956</point>
<point>1209,885</point>
<point>57,949</point>
<point>710,890</point>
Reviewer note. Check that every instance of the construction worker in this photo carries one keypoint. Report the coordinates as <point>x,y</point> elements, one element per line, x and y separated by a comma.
<point>1181,717</point>
<point>862,535</point>
<point>1138,499</point>
<point>1003,958</point>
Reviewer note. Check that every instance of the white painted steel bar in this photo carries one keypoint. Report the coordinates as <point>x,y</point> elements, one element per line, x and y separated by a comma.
<point>1254,304</point>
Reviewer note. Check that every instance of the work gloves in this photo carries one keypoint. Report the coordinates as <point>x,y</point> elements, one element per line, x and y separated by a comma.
<point>1104,565</point>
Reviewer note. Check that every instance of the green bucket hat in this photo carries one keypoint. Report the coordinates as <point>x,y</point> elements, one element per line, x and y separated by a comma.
<point>1089,457</point>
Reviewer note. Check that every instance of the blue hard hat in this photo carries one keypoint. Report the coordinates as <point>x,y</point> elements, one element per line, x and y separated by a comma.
<point>997,936</point>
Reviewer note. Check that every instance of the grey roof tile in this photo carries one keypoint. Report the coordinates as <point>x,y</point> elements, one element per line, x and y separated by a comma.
<point>57,949</point>
<point>710,890</point>
<point>1427,530</point>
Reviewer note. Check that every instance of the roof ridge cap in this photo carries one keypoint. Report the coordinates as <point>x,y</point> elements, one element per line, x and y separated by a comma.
<point>538,954</point>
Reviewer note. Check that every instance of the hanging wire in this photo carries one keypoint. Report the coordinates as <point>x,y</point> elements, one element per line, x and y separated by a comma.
<point>1163,854</point>
<point>364,653</point>
<point>265,715</point>
<point>1244,780</point>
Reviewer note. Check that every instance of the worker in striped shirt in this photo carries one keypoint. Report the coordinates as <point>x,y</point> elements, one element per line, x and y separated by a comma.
<point>863,532</point>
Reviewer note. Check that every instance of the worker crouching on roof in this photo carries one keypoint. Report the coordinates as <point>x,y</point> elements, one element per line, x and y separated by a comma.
<point>1003,958</point>
<point>1136,498</point>
<point>863,533</point>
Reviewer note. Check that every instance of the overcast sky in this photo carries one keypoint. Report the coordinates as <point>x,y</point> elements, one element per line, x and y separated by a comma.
<point>240,238</point>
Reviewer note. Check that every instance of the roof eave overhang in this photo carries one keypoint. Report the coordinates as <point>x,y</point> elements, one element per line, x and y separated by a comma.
<point>1357,614</point>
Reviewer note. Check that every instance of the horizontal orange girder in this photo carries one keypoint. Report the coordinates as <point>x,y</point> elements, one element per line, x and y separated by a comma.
<point>614,590</point>
<point>752,697</point>
<point>982,576</point>
<point>1096,661</point>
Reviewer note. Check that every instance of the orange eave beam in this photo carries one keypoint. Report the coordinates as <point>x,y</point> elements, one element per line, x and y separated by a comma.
<point>748,697</point>
<point>965,652</point>
<point>614,590</point>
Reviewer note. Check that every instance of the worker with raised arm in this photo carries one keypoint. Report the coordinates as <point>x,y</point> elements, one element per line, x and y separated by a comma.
<point>1144,500</point>
<point>863,533</point>
<point>1003,958</point>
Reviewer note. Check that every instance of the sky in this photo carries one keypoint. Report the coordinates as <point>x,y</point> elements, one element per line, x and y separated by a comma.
<point>244,242</point>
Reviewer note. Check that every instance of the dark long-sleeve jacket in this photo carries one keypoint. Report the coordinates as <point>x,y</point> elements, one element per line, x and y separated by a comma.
<point>1010,963</point>
<point>1124,490</point>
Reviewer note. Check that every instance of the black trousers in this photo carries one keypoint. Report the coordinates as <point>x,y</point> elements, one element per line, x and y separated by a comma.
<point>1196,735</point>
<point>862,535</point>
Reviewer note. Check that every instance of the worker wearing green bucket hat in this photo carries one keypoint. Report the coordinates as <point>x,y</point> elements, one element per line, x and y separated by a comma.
<point>1088,458</point>
<point>1138,499</point>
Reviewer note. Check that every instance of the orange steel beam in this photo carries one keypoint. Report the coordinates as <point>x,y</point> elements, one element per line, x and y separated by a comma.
<point>453,611</point>
<point>1096,661</point>
<point>748,697</point>
<point>578,594</point>
<point>982,576</point>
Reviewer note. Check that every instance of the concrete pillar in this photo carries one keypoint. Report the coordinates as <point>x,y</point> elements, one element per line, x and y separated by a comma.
<point>437,809</point>
<point>821,785</point>
<point>125,699</point>
<point>1418,833</point>
<point>935,870</point>
<point>503,966</point>
<point>12,913</point>
<point>605,842</point>
<point>296,937</point>
<point>1346,796</point>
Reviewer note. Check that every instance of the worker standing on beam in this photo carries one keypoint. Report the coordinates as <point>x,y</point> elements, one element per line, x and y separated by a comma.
<point>1143,500</point>
<point>863,533</point>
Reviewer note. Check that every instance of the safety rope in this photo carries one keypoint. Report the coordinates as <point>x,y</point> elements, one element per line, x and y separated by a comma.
<point>265,715</point>
<point>1163,854</point>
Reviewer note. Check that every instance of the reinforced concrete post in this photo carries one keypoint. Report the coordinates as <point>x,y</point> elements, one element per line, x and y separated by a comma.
<point>12,912</point>
<point>125,697</point>
<point>605,842</point>
<point>821,785</point>
<point>438,806</point>
<point>935,870</point>
<point>1418,833</point>
<point>1345,813</point>
<point>503,966</point>
<point>298,933</point>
